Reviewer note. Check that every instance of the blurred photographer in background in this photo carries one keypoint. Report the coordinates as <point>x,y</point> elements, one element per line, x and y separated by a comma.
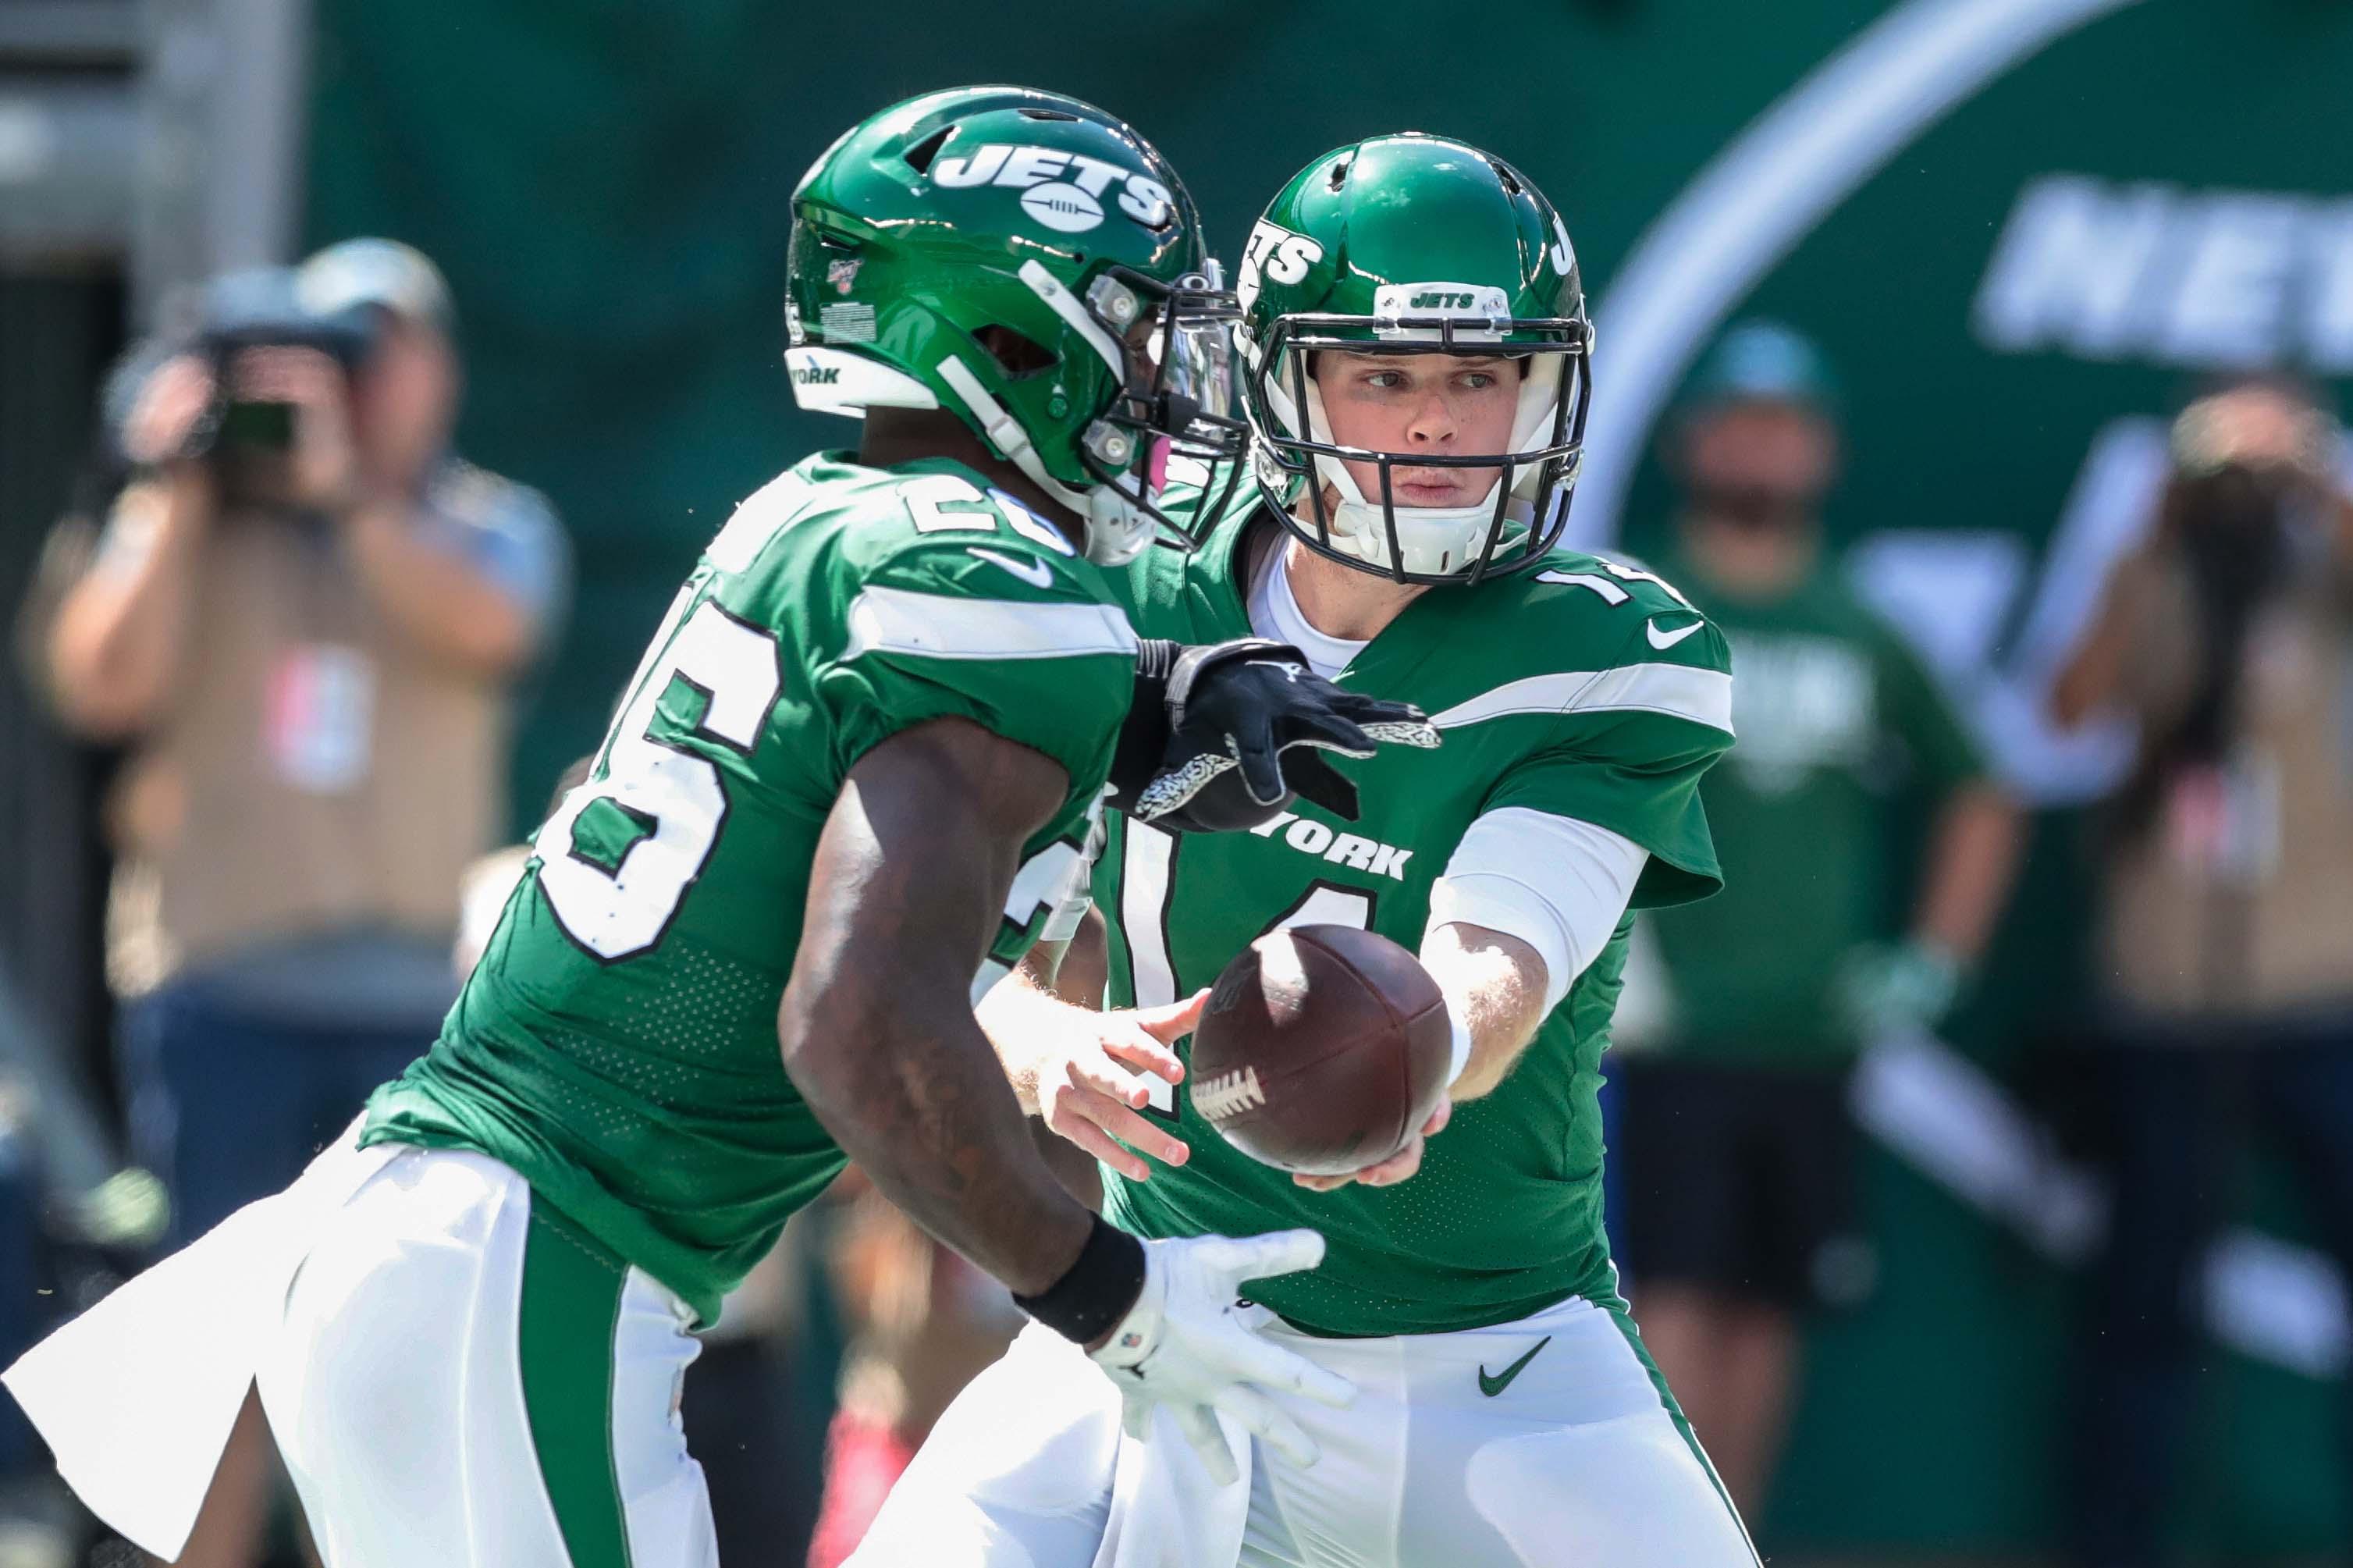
<point>2227,921</point>
<point>304,618</point>
<point>1738,1151</point>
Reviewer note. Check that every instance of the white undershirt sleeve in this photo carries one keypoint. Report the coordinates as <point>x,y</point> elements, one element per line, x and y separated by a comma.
<point>1559,884</point>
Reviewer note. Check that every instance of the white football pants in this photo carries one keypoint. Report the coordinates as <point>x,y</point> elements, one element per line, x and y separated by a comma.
<point>1541,1444</point>
<point>462,1381</point>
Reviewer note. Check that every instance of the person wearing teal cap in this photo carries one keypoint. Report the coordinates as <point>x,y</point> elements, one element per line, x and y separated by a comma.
<point>1736,1138</point>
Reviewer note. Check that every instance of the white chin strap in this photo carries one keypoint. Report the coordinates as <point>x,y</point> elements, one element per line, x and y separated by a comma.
<point>1432,540</point>
<point>1117,529</point>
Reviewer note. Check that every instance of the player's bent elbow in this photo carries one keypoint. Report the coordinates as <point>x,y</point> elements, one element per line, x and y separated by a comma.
<point>832,1039</point>
<point>813,1047</point>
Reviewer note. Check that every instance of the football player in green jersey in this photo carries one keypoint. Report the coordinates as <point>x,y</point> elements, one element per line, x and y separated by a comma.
<point>1414,345</point>
<point>1740,1156</point>
<point>858,763</point>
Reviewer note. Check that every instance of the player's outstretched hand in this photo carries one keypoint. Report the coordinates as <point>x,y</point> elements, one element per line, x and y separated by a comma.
<point>1253,708</point>
<point>1184,1345</point>
<point>1397,1167</point>
<point>1093,1082</point>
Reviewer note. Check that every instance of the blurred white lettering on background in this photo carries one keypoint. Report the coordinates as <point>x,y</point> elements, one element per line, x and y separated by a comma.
<point>2156,272</point>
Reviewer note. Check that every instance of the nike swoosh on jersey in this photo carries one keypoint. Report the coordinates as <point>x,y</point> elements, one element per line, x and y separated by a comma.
<point>1492,1386</point>
<point>1037,574</point>
<point>1660,639</point>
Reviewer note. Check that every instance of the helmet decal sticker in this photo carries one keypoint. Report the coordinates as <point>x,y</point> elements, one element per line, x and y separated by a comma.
<point>1065,209</point>
<point>1273,254</point>
<point>1061,190</point>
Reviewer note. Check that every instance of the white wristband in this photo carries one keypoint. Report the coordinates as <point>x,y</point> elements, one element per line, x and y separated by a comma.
<point>1461,1047</point>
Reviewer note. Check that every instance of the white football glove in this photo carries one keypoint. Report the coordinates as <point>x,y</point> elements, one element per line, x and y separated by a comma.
<point>1184,1345</point>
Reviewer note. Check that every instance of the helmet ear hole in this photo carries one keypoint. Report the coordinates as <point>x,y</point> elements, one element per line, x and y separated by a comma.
<point>1016,354</point>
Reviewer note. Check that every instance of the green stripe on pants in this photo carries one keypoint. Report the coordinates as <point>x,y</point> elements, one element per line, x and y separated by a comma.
<point>571,1303</point>
<point>1625,1322</point>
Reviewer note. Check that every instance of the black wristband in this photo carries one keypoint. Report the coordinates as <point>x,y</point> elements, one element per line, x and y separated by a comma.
<point>1096,1291</point>
<point>1143,733</point>
<point>1155,657</point>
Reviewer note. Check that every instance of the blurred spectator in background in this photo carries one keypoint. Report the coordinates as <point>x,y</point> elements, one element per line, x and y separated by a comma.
<point>2226,932</point>
<point>1737,1146</point>
<point>303,616</point>
<point>922,1323</point>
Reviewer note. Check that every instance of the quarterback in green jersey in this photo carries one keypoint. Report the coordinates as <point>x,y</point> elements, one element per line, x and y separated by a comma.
<point>1415,353</point>
<point>851,783</point>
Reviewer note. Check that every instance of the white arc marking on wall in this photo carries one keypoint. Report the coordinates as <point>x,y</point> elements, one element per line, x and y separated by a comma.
<point>1805,153</point>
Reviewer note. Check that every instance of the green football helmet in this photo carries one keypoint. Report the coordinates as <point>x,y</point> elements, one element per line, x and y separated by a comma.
<point>1032,265</point>
<point>1414,244</point>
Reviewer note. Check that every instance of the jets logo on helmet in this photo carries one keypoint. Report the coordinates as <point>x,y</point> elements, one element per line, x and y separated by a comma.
<point>1481,307</point>
<point>1065,209</point>
<point>1273,254</point>
<point>1061,190</point>
<point>1415,246</point>
<point>919,281</point>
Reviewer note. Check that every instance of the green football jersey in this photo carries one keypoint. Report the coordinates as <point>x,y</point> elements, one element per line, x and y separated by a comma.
<point>1835,713</point>
<point>1585,690</point>
<point>618,1042</point>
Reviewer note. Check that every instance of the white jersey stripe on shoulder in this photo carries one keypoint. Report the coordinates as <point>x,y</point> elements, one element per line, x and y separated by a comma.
<point>938,626</point>
<point>1679,691</point>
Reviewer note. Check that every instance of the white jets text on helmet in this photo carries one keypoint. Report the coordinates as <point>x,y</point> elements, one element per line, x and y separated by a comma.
<point>1275,252</point>
<point>1061,190</point>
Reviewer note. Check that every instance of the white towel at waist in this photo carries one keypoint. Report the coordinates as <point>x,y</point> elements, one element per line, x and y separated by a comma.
<point>1166,1510</point>
<point>137,1395</point>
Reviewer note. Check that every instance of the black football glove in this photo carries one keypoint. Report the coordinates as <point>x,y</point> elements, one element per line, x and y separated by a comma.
<point>1221,736</point>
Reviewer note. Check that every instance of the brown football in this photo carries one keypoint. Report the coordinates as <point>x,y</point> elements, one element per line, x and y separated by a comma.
<point>1321,1050</point>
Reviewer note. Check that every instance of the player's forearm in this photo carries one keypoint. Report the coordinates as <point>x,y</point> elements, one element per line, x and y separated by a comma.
<point>1528,900</point>
<point>1494,984</point>
<point>876,1024</point>
<point>1971,862</point>
<point>915,1099</point>
<point>1017,1011</point>
<point>1056,988</point>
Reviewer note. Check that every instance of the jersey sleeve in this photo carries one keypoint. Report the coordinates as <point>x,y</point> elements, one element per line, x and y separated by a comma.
<point>1913,708</point>
<point>1020,640</point>
<point>1627,751</point>
<point>1561,885</point>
